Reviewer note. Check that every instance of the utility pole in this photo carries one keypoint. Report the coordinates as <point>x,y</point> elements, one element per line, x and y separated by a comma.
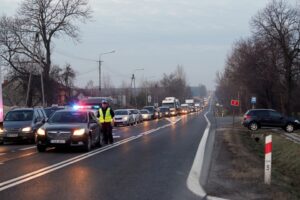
<point>100,63</point>
<point>134,88</point>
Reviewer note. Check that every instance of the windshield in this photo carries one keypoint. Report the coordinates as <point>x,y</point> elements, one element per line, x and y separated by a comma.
<point>144,112</point>
<point>164,109</point>
<point>121,112</point>
<point>68,117</point>
<point>50,111</point>
<point>170,105</point>
<point>19,115</point>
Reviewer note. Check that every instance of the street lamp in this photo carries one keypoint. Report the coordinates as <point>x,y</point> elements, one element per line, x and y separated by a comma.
<point>100,62</point>
<point>133,82</point>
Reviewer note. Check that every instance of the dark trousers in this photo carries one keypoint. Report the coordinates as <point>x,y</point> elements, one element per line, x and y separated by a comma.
<point>107,133</point>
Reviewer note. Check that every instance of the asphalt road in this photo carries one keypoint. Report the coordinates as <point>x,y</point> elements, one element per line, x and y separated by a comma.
<point>148,161</point>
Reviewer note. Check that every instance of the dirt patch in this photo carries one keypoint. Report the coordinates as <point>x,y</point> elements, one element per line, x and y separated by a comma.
<point>238,163</point>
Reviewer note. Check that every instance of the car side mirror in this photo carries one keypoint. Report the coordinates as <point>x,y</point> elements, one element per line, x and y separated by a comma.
<point>44,120</point>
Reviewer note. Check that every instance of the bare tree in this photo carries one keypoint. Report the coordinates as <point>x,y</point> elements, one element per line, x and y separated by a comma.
<point>279,24</point>
<point>38,22</point>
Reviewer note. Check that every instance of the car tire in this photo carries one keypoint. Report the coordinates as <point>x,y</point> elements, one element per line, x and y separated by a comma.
<point>253,126</point>
<point>41,148</point>
<point>88,144</point>
<point>289,128</point>
<point>1,142</point>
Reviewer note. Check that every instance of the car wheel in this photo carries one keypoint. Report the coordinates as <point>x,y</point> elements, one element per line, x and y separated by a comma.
<point>253,126</point>
<point>1,142</point>
<point>88,144</point>
<point>41,148</point>
<point>289,128</point>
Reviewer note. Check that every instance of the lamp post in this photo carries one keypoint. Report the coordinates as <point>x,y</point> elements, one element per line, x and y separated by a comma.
<point>133,84</point>
<point>100,62</point>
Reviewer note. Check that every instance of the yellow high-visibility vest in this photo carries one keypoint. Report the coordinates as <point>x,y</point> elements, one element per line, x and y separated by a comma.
<point>108,117</point>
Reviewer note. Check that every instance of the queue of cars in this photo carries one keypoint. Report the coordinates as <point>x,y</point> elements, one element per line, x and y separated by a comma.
<point>68,126</point>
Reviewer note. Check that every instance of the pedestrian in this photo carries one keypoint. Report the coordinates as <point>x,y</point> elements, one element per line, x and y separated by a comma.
<point>106,115</point>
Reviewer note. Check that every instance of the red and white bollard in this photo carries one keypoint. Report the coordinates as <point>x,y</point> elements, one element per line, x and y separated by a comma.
<point>268,159</point>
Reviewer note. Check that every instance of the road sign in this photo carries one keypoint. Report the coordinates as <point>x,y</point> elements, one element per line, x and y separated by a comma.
<point>149,99</point>
<point>253,100</point>
<point>235,103</point>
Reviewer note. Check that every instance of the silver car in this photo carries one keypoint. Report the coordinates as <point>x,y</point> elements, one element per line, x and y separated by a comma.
<point>137,116</point>
<point>123,117</point>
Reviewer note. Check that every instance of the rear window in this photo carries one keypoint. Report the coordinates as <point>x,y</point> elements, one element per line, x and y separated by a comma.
<point>69,117</point>
<point>19,115</point>
<point>121,112</point>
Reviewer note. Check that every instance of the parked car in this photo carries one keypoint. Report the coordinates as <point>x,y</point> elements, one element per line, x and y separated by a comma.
<point>165,111</point>
<point>21,124</point>
<point>154,111</point>
<point>146,114</point>
<point>123,117</point>
<point>137,116</point>
<point>70,128</point>
<point>259,118</point>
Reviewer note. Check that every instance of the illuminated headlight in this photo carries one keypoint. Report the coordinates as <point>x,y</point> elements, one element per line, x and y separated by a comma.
<point>41,132</point>
<point>79,132</point>
<point>125,118</point>
<point>2,131</point>
<point>297,121</point>
<point>26,129</point>
<point>167,113</point>
<point>156,113</point>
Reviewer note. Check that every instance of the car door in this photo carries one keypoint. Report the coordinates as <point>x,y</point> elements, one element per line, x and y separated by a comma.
<point>93,126</point>
<point>276,119</point>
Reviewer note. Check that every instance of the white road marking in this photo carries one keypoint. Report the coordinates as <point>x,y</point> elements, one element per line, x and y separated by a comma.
<point>24,149</point>
<point>193,181</point>
<point>35,174</point>
<point>1,154</point>
<point>116,136</point>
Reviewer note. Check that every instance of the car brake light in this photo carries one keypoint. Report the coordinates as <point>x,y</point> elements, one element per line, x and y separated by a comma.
<point>247,117</point>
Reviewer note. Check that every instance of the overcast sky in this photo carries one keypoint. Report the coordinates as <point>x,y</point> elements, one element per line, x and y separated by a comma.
<point>156,35</point>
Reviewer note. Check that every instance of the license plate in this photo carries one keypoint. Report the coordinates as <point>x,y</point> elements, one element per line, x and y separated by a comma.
<point>12,135</point>
<point>58,141</point>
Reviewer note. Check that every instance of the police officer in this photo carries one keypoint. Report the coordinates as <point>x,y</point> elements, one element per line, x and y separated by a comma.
<point>106,115</point>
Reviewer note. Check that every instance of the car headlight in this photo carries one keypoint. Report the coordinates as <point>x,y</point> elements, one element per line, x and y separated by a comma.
<point>41,132</point>
<point>79,132</point>
<point>125,118</point>
<point>26,129</point>
<point>2,130</point>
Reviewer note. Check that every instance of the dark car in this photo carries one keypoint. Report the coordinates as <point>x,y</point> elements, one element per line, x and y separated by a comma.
<point>258,118</point>
<point>165,111</point>
<point>50,110</point>
<point>155,113</point>
<point>21,124</point>
<point>70,128</point>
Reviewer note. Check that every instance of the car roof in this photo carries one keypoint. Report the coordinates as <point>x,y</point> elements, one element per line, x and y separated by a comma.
<point>16,109</point>
<point>262,109</point>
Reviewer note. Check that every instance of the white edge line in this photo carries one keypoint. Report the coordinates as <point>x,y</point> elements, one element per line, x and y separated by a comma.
<point>193,181</point>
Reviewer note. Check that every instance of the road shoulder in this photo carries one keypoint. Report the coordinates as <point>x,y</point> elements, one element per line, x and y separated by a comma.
<point>237,168</point>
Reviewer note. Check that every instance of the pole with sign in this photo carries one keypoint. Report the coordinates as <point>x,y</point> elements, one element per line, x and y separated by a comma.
<point>253,102</point>
<point>234,103</point>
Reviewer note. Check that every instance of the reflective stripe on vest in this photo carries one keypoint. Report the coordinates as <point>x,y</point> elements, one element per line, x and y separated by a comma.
<point>108,117</point>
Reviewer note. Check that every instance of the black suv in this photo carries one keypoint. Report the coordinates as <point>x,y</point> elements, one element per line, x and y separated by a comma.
<point>258,118</point>
<point>22,124</point>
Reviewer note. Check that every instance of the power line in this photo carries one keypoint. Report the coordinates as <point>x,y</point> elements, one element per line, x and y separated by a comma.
<point>74,57</point>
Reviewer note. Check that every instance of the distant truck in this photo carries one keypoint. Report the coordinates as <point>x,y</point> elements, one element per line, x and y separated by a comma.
<point>173,104</point>
<point>191,103</point>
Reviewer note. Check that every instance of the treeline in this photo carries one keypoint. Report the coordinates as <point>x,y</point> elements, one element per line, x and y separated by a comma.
<point>267,64</point>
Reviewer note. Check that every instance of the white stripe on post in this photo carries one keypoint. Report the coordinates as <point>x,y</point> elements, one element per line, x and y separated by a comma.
<point>268,159</point>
